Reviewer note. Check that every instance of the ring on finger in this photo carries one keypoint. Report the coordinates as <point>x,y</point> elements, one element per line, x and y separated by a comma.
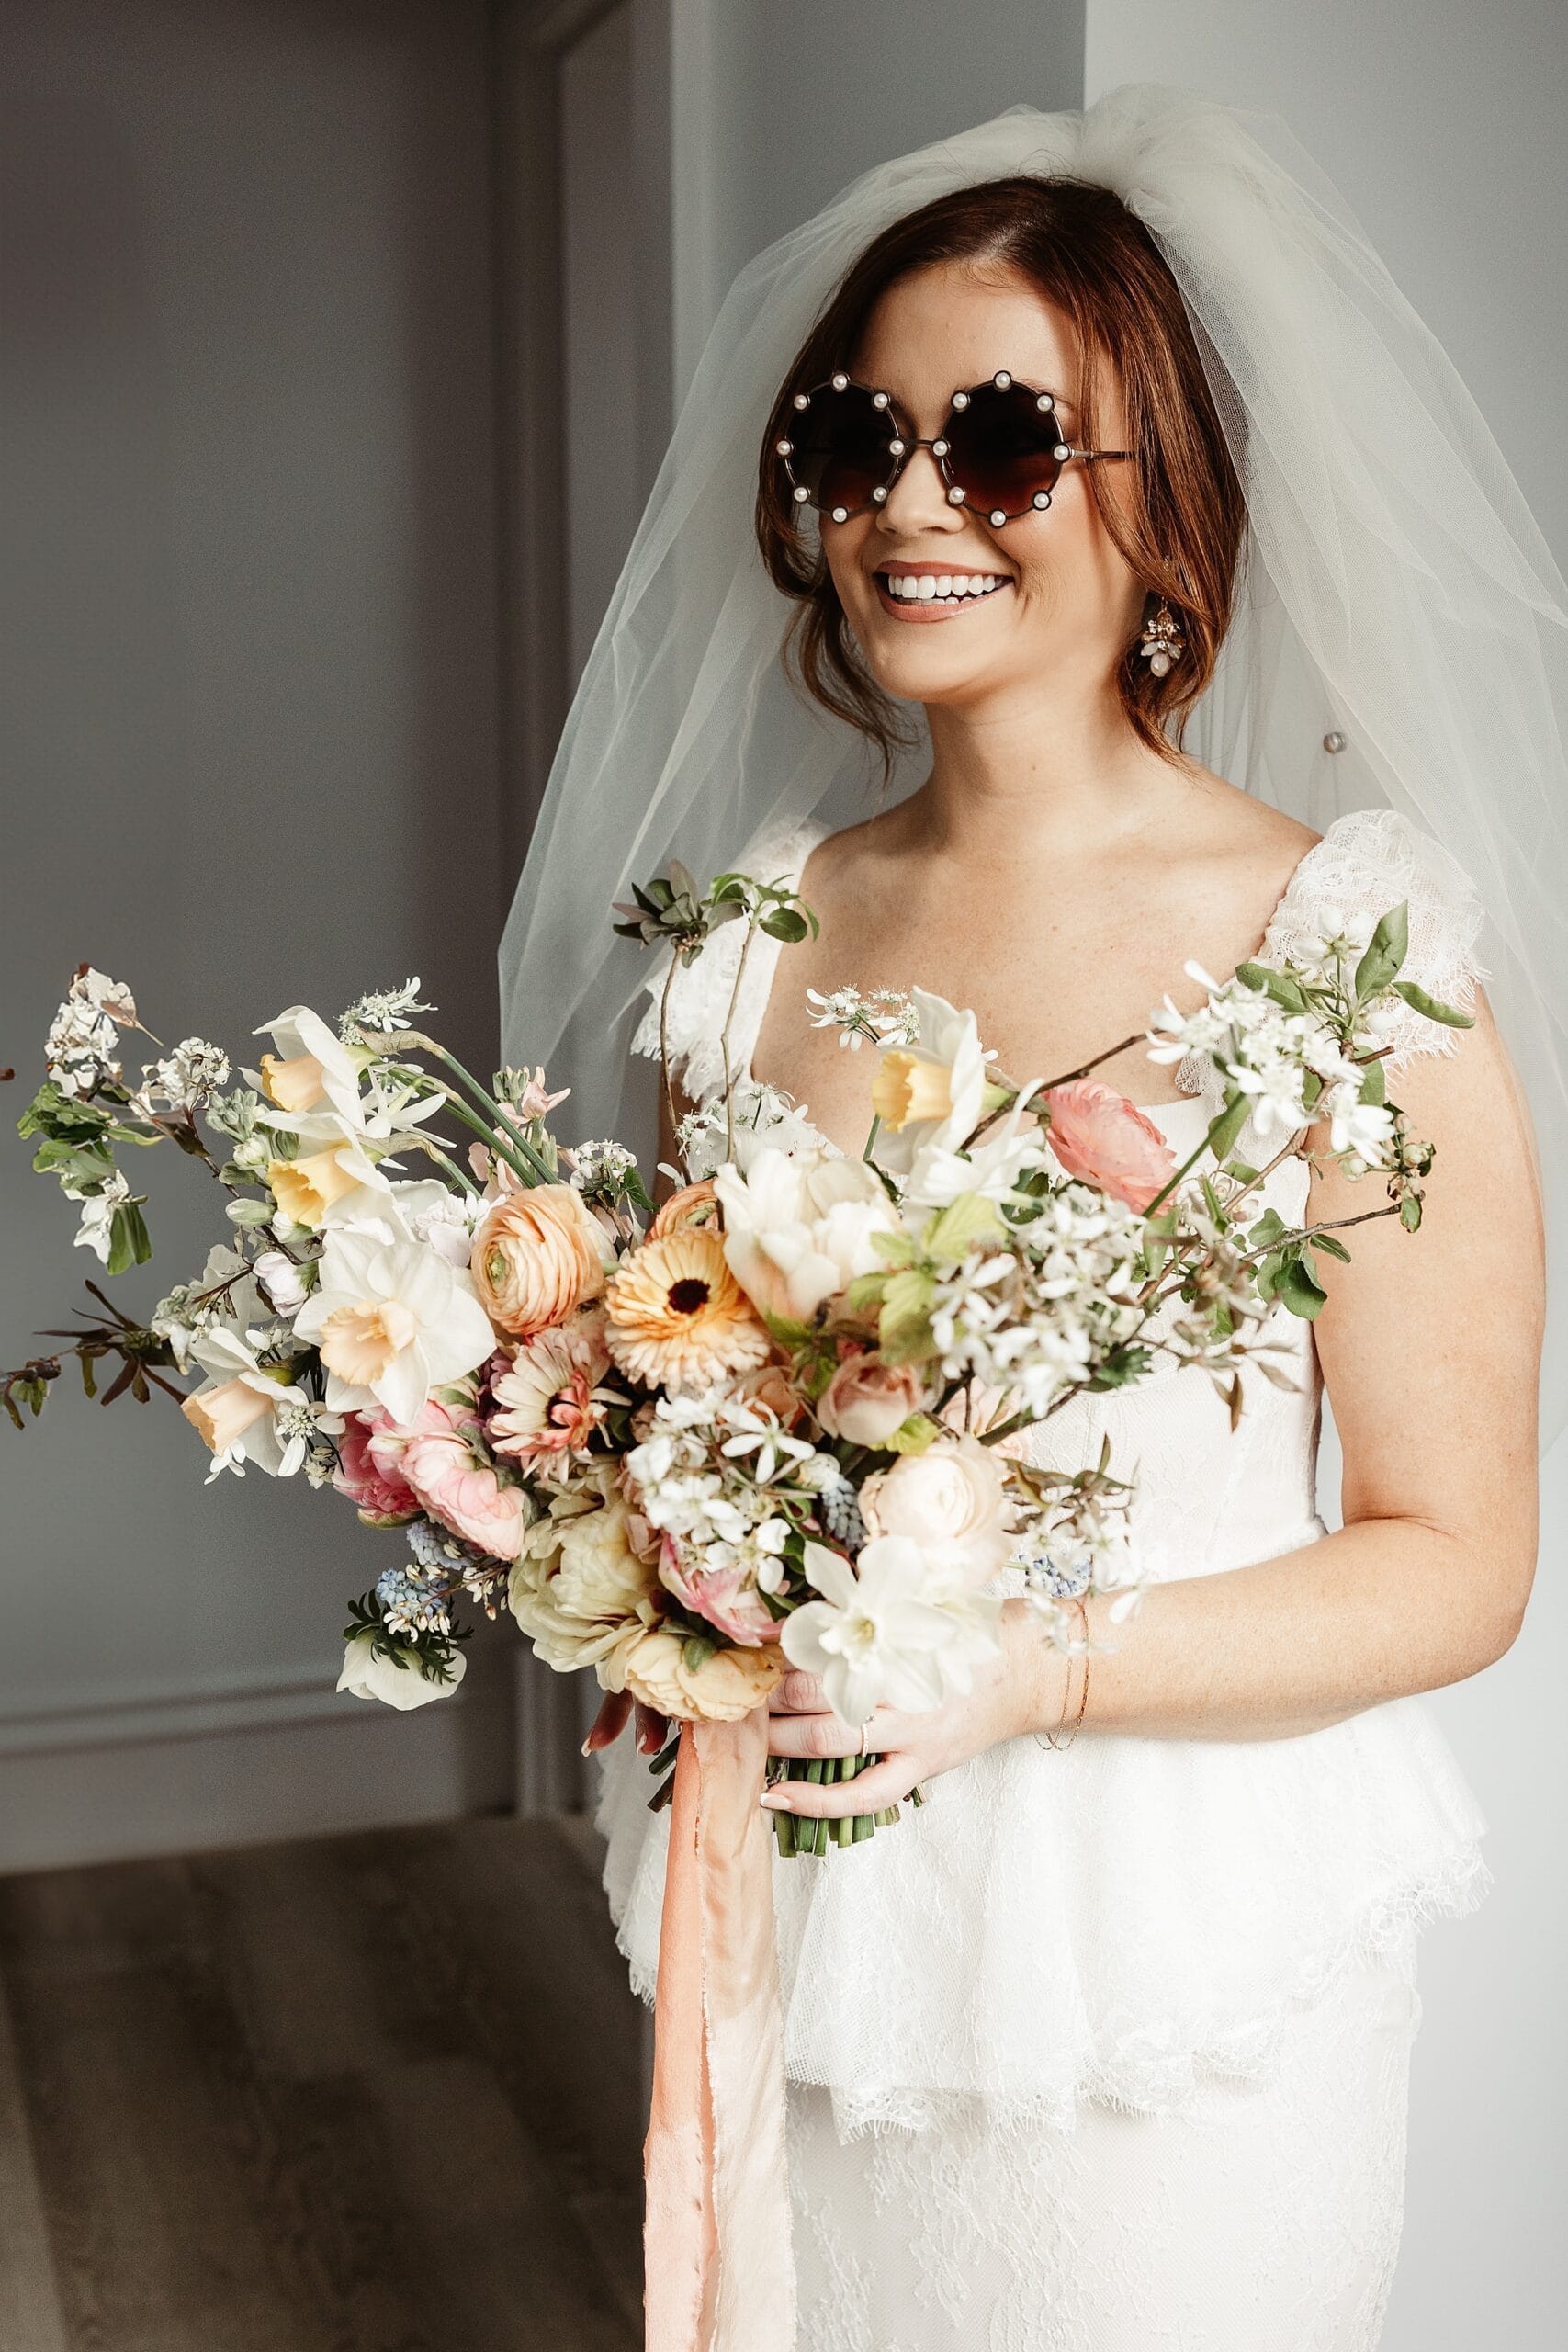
<point>864,1730</point>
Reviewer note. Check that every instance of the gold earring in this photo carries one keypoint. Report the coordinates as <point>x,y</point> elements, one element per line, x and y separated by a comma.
<point>1162,644</point>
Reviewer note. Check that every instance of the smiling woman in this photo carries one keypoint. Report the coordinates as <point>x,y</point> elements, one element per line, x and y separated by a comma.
<point>963,318</point>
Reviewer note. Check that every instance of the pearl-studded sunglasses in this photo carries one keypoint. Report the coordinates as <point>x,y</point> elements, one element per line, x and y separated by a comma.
<point>1001,450</point>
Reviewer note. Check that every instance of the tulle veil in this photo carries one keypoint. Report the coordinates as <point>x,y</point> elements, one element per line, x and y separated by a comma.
<point>1397,598</point>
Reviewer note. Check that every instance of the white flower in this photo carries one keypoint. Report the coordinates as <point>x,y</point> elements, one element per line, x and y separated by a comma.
<point>284,1280</point>
<point>932,1091</point>
<point>96,1229</point>
<point>890,1631</point>
<point>311,1065</point>
<point>392,1320</point>
<point>939,1175</point>
<point>193,1071</point>
<point>1363,1129</point>
<point>799,1227</point>
<point>381,1010</point>
<point>252,1414</point>
<point>81,1047</point>
<point>369,1677</point>
<point>950,1499</point>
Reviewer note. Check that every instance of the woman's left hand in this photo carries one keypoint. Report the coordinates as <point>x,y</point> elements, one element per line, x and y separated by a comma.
<point>1016,1691</point>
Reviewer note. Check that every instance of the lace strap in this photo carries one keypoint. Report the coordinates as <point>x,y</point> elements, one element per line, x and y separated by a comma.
<point>701,992</point>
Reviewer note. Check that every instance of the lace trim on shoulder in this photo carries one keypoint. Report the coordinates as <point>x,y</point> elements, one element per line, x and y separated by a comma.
<point>700,994</point>
<point>1367,862</point>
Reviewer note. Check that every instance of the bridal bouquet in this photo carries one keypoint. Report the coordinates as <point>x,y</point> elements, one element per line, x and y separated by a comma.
<point>783,1417</point>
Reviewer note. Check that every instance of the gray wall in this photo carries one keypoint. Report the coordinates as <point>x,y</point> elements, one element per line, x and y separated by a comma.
<point>1444,126</point>
<point>250,643</point>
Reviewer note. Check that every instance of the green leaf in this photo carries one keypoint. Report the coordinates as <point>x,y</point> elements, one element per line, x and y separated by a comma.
<point>904,1328</point>
<point>865,1291</point>
<point>695,1653</point>
<point>1331,1247</point>
<point>1279,985</point>
<point>50,1113</point>
<point>1223,1131</point>
<point>1270,1229</point>
<point>1239,1170</point>
<point>1419,1001</point>
<point>1385,952</point>
<point>961,1226</point>
<point>129,1244</point>
<point>1374,1087</point>
<point>787,1333</point>
<point>914,1435</point>
<point>785,924</point>
<point>1410,1212</point>
<point>1300,1291</point>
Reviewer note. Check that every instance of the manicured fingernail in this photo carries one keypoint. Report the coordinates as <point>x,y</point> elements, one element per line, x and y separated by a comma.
<point>588,1747</point>
<point>774,1803</point>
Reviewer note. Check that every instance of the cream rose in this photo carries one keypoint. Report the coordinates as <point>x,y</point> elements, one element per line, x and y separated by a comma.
<point>799,1227</point>
<point>728,1685</point>
<point>950,1500</point>
<point>867,1398</point>
<point>537,1256</point>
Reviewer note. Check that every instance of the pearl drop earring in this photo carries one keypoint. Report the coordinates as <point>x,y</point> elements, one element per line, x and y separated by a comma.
<point>1162,644</point>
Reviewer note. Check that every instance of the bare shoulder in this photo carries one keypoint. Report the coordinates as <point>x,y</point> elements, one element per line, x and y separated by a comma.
<point>1232,827</point>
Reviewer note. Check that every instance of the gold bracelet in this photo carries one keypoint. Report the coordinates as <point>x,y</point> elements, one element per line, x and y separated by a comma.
<point>1062,1745</point>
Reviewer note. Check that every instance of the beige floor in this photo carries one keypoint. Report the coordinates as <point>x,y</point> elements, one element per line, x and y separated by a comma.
<point>367,2094</point>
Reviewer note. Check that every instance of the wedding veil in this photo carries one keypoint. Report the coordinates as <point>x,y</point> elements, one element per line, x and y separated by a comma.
<point>1397,596</point>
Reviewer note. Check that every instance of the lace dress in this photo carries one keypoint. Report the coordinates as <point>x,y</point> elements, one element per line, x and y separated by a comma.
<point>1105,2050</point>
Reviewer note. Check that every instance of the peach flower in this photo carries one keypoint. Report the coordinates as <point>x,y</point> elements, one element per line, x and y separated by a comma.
<point>548,1402</point>
<point>727,1686</point>
<point>677,1315</point>
<point>537,1256</point>
<point>867,1398</point>
<point>1097,1133</point>
<point>950,1500</point>
<point>693,1204</point>
<point>224,1413</point>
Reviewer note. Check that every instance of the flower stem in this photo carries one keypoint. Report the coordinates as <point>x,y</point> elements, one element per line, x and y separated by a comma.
<point>542,1174</point>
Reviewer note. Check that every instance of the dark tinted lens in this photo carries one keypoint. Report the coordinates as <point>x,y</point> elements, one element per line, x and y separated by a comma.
<point>839,450</point>
<point>1003,448</point>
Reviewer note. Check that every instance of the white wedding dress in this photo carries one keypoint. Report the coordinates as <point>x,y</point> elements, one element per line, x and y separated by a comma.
<point>1105,2050</point>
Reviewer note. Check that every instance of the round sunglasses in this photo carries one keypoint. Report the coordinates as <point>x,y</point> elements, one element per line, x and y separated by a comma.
<point>1001,450</point>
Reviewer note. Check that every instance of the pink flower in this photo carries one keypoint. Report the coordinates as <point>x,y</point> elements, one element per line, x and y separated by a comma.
<point>441,1460</point>
<point>867,1398</point>
<point>1097,1133</point>
<point>727,1597</point>
<point>382,1496</point>
<point>546,1400</point>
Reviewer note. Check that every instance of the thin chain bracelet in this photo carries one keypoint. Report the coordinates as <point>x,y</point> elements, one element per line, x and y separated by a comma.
<point>1062,1745</point>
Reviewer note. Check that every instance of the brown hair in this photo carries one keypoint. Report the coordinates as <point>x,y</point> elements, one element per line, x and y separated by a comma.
<point>1183,528</point>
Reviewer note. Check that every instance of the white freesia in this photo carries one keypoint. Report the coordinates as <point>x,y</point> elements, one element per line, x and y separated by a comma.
<point>392,1321</point>
<point>366,1676</point>
<point>800,1226</point>
<point>891,1631</point>
<point>931,1092</point>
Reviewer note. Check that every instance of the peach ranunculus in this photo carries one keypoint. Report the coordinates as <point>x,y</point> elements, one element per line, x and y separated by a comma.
<point>1097,1133</point>
<point>950,1500</point>
<point>868,1398</point>
<point>441,1462</point>
<point>693,1204</point>
<point>382,1496</point>
<point>727,1597</point>
<point>727,1684</point>
<point>537,1256</point>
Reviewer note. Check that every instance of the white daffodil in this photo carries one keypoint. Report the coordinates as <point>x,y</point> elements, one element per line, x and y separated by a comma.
<point>879,1636</point>
<point>249,1414</point>
<point>330,1179</point>
<point>366,1676</point>
<point>939,1175</point>
<point>800,1226</point>
<point>311,1065</point>
<point>931,1092</point>
<point>392,1320</point>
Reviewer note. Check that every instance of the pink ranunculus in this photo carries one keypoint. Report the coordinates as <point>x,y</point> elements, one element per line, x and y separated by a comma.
<point>378,1489</point>
<point>1097,1133</point>
<point>727,1597</point>
<point>448,1471</point>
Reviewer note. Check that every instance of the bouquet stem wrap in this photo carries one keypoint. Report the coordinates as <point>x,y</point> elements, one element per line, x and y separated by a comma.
<point>720,2273</point>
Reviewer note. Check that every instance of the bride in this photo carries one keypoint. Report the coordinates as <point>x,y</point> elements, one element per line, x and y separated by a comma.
<point>1107,2045</point>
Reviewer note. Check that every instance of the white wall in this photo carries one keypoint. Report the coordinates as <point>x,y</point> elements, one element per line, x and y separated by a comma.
<point>250,643</point>
<point>1444,126</point>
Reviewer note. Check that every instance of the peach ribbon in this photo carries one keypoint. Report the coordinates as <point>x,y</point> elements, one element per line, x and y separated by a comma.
<point>720,2273</point>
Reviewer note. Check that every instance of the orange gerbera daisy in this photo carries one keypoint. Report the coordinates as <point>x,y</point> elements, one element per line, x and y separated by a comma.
<point>678,1318</point>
